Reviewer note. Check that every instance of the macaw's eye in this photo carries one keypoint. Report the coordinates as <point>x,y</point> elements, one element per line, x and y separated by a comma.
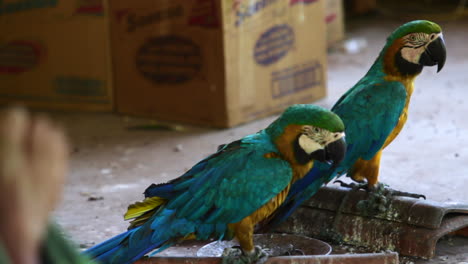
<point>316,130</point>
<point>412,37</point>
<point>432,36</point>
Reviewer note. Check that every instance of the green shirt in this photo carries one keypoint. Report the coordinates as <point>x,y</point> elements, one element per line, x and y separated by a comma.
<point>56,250</point>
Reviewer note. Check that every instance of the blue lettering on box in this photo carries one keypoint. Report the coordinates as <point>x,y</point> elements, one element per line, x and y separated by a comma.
<point>296,78</point>
<point>79,86</point>
<point>273,44</point>
<point>13,7</point>
<point>245,11</point>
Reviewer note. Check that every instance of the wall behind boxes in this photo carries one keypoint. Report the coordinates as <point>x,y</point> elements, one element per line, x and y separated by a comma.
<point>218,63</point>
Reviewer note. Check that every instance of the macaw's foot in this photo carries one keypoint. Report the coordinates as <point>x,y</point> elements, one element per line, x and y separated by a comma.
<point>235,255</point>
<point>379,196</point>
<point>405,194</point>
<point>379,199</point>
<point>377,202</point>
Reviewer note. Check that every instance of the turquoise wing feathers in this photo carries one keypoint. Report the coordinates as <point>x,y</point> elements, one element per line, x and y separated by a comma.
<point>243,177</point>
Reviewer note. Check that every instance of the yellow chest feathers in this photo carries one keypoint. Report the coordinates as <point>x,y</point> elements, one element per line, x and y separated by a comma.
<point>409,87</point>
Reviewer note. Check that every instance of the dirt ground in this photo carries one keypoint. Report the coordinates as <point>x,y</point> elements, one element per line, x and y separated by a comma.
<point>112,165</point>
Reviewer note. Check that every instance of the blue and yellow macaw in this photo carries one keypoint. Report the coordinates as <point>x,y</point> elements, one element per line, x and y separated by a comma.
<point>374,110</point>
<point>228,193</point>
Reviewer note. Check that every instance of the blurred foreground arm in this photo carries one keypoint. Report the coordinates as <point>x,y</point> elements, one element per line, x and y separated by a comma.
<point>33,164</point>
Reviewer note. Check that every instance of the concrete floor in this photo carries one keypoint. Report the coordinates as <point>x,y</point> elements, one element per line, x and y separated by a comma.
<point>430,156</point>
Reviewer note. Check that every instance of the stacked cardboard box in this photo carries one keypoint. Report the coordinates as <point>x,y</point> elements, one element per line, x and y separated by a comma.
<point>54,54</point>
<point>210,62</point>
<point>219,63</point>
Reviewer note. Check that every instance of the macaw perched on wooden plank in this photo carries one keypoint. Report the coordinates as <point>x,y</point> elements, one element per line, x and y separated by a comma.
<point>374,111</point>
<point>228,193</point>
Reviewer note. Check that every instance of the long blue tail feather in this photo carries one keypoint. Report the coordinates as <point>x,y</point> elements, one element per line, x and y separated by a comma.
<point>107,246</point>
<point>123,248</point>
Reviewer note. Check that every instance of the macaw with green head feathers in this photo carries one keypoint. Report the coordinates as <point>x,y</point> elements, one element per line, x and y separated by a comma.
<point>226,194</point>
<point>374,111</point>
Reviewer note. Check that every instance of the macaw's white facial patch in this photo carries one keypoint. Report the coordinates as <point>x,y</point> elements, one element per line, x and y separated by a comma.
<point>415,44</point>
<point>412,54</point>
<point>308,145</point>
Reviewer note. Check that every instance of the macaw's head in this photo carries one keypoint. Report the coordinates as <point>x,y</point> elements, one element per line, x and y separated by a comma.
<point>412,46</point>
<point>307,132</point>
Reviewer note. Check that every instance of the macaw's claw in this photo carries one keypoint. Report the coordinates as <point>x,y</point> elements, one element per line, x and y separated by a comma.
<point>353,186</point>
<point>383,189</point>
<point>380,187</point>
<point>235,255</point>
<point>405,194</point>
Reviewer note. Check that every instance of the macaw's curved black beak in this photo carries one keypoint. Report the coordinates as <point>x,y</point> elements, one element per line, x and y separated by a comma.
<point>333,153</point>
<point>435,53</point>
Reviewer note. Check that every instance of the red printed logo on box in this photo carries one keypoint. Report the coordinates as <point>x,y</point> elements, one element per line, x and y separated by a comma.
<point>20,56</point>
<point>330,18</point>
<point>90,7</point>
<point>204,14</point>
